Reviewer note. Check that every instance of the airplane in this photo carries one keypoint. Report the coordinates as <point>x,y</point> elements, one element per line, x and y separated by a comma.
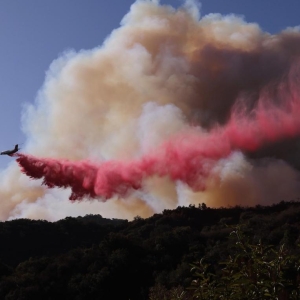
<point>11,152</point>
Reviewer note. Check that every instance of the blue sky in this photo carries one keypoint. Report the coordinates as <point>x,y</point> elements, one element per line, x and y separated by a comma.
<point>33,33</point>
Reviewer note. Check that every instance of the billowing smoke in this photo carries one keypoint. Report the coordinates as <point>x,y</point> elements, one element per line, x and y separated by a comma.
<point>188,158</point>
<point>171,110</point>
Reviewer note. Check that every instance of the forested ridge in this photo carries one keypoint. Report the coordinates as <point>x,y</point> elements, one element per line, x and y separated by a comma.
<point>96,258</point>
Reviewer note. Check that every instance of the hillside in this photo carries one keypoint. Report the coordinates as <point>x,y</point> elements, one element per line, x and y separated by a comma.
<point>95,258</point>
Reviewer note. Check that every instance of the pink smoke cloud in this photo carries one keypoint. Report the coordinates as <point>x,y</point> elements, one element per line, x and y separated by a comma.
<point>188,157</point>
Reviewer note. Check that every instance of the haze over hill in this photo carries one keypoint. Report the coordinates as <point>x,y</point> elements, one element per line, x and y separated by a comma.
<point>167,73</point>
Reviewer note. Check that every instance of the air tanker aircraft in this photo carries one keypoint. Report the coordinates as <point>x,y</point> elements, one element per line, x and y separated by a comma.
<point>11,152</point>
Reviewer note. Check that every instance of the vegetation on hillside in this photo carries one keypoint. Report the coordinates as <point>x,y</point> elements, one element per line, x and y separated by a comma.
<point>173,255</point>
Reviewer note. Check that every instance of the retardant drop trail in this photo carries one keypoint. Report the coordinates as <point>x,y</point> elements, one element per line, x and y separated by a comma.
<point>188,157</point>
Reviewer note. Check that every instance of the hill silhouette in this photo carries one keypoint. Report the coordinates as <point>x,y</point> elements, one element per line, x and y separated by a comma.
<point>96,258</point>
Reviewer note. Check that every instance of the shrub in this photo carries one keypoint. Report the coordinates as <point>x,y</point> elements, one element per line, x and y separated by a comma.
<point>254,271</point>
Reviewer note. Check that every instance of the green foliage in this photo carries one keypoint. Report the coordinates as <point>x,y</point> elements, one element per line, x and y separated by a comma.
<point>254,271</point>
<point>159,292</point>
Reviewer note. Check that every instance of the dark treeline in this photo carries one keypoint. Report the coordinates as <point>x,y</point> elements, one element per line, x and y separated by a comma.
<point>96,258</point>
